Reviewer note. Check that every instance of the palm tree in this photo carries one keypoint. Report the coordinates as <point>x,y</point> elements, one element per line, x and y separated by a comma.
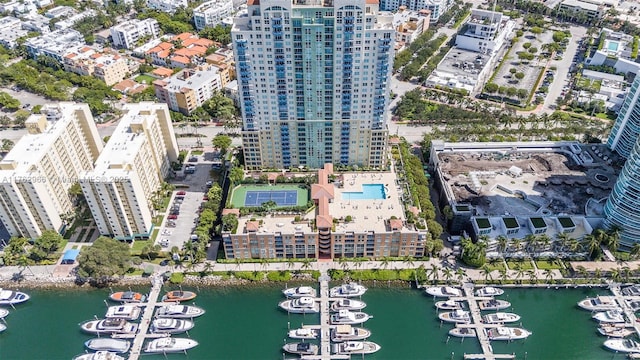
<point>460,274</point>
<point>615,275</point>
<point>533,277</point>
<point>434,272</point>
<point>343,263</point>
<point>306,264</point>
<point>582,271</point>
<point>548,274</point>
<point>408,260</point>
<point>613,238</point>
<point>486,272</point>
<point>563,238</point>
<point>384,263</point>
<point>626,273</point>
<point>597,273</point>
<point>448,274</point>
<point>502,243</point>
<point>503,275</point>
<point>635,251</point>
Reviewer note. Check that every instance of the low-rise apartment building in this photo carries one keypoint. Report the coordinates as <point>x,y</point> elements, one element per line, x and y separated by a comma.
<point>56,44</point>
<point>127,34</point>
<point>36,174</point>
<point>110,68</point>
<point>180,51</point>
<point>211,13</point>
<point>409,25</point>
<point>130,169</point>
<point>168,6</point>
<point>188,89</point>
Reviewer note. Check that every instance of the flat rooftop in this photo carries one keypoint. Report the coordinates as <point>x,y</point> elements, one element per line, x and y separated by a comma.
<point>463,63</point>
<point>528,180</point>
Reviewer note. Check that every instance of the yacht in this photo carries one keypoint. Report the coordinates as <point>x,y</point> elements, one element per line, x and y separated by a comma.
<point>634,304</point>
<point>299,291</point>
<point>489,291</point>
<point>456,316</point>
<point>622,345</point>
<point>500,318</point>
<point>303,333</point>
<point>494,304</point>
<point>3,313</point>
<point>127,312</point>
<point>611,330</point>
<point>347,290</point>
<point>347,333</point>
<point>171,326</point>
<point>303,305</point>
<point>600,303</point>
<point>127,297</point>
<point>347,304</point>
<point>179,311</point>
<point>346,317</point>
<point>109,326</point>
<point>100,355</point>
<point>170,345</point>
<point>462,332</point>
<point>10,297</point>
<point>302,348</point>
<point>3,327</point>
<point>633,290</point>
<point>108,344</point>
<point>355,347</point>
<point>507,333</point>
<point>450,305</point>
<point>443,291</point>
<point>179,295</point>
<point>610,316</point>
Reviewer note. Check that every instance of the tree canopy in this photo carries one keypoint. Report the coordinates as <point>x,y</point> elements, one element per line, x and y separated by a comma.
<point>103,260</point>
<point>222,142</point>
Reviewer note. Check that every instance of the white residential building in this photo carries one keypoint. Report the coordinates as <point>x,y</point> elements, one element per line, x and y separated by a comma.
<point>56,44</point>
<point>436,7</point>
<point>10,31</point>
<point>60,11</point>
<point>485,32</point>
<point>36,22</point>
<point>590,9</point>
<point>168,6</point>
<point>409,25</point>
<point>130,169</point>
<point>188,89</point>
<point>616,51</point>
<point>37,173</point>
<point>211,13</point>
<point>72,20</point>
<point>126,34</point>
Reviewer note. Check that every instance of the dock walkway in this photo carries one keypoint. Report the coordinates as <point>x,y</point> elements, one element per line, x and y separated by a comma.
<point>143,328</point>
<point>628,311</point>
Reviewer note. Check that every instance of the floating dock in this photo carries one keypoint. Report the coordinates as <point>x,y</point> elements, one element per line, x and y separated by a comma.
<point>145,322</point>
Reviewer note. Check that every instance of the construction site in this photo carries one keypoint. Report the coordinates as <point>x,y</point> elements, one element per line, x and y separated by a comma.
<point>525,178</point>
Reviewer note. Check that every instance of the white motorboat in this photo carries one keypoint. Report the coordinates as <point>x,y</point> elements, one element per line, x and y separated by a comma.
<point>501,318</point>
<point>347,290</point>
<point>494,304</point>
<point>179,311</point>
<point>10,297</point>
<point>633,304</point>
<point>303,333</point>
<point>3,327</point>
<point>303,305</point>
<point>443,291</point>
<point>108,344</point>
<point>109,326</point>
<point>171,326</point>
<point>611,330</point>
<point>346,317</point>
<point>127,312</point>
<point>633,290</point>
<point>507,333</point>
<point>599,303</point>
<point>355,347</point>
<point>462,332</point>
<point>3,313</point>
<point>610,316</point>
<point>348,333</point>
<point>169,345</point>
<point>348,304</point>
<point>450,305</point>
<point>299,291</point>
<point>622,345</point>
<point>100,355</point>
<point>489,291</point>
<point>302,348</point>
<point>456,316</point>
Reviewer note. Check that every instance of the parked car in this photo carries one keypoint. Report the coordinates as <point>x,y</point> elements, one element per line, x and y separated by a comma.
<point>172,217</point>
<point>164,242</point>
<point>181,193</point>
<point>193,159</point>
<point>205,198</point>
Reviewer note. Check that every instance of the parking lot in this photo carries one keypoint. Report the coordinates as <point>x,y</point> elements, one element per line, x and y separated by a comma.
<point>192,188</point>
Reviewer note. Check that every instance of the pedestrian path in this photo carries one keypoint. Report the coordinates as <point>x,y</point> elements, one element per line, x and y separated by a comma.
<point>150,306</point>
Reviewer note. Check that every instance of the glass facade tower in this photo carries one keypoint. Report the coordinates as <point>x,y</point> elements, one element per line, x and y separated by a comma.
<point>627,126</point>
<point>313,82</point>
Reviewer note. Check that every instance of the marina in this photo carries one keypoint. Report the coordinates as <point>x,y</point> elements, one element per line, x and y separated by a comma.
<point>404,325</point>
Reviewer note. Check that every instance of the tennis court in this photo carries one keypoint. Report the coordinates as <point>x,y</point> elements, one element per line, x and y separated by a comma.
<point>283,195</point>
<point>280,197</point>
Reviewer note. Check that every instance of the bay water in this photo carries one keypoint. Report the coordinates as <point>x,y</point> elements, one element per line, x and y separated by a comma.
<point>244,323</point>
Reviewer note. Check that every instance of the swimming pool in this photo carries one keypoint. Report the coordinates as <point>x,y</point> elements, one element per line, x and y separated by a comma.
<point>612,45</point>
<point>369,192</point>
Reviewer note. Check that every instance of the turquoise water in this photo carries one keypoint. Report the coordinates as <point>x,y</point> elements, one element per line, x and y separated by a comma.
<point>369,192</point>
<point>244,323</point>
<point>612,45</point>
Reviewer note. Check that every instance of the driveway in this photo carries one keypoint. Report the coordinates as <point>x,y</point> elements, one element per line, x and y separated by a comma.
<point>560,79</point>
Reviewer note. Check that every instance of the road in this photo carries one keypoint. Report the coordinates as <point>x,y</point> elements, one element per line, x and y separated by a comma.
<point>560,79</point>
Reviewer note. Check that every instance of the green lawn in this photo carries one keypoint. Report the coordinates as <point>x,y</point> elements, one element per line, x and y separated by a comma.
<point>138,245</point>
<point>524,265</point>
<point>544,265</point>
<point>197,152</point>
<point>240,192</point>
<point>145,79</point>
<point>157,221</point>
<point>497,266</point>
<point>154,235</point>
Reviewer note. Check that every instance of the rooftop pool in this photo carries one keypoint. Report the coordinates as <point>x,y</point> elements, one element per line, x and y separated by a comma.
<point>369,192</point>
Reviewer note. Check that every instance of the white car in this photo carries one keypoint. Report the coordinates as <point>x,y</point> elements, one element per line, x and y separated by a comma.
<point>164,242</point>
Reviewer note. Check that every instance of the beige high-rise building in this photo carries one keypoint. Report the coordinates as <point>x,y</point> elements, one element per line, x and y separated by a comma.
<point>130,170</point>
<point>37,173</point>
